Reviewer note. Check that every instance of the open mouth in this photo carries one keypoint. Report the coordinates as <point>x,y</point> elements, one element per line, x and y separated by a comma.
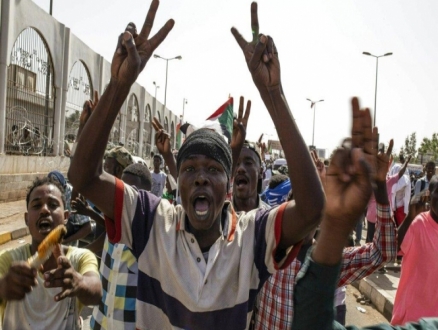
<point>240,181</point>
<point>45,226</point>
<point>201,206</point>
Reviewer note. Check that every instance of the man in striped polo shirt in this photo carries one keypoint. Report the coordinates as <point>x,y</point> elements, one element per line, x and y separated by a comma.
<point>200,263</point>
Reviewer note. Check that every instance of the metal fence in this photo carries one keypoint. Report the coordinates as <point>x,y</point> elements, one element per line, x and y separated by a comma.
<point>30,97</point>
<point>147,133</point>
<point>80,89</point>
<point>133,126</point>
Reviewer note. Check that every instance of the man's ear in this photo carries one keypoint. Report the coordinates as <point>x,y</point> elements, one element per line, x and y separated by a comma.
<point>26,219</point>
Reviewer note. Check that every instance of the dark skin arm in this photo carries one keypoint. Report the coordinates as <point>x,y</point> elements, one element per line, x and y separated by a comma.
<point>303,214</point>
<point>404,167</point>
<point>81,233</point>
<point>239,133</point>
<point>132,53</point>
<point>97,245</point>
<point>348,189</point>
<point>414,210</point>
<point>382,160</point>
<point>81,206</point>
<point>162,141</point>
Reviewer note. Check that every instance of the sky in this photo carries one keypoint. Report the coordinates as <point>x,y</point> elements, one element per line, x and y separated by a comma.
<point>320,45</point>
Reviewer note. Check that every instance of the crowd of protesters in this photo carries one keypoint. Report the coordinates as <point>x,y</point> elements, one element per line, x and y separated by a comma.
<point>221,240</point>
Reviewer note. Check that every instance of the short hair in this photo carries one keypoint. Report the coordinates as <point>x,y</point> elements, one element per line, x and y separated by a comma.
<point>159,157</point>
<point>276,180</point>
<point>38,182</point>
<point>141,171</point>
<point>430,163</point>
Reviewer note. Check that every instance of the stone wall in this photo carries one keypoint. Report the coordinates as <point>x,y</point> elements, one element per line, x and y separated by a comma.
<point>18,172</point>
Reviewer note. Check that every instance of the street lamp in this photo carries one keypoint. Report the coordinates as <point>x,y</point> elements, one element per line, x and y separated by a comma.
<point>155,99</point>
<point>182,117</point>
<point>167,64</point>
<point>377,70</point>
<point>313,105</point>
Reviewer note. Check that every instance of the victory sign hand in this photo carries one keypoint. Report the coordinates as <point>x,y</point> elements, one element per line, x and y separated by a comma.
<point>134,50</point>
<point>260,54</point>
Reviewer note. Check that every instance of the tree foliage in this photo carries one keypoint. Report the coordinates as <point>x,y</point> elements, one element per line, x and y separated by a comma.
<point>430,146</point>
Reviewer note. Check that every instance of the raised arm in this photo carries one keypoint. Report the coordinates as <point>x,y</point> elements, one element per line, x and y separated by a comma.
<point>131,55</point>
<point>304,213</point>
<point>239,133</point>
<point>348,189</point>
<point>404,167</point>
<point>162,142</point>
<point>360,261</point>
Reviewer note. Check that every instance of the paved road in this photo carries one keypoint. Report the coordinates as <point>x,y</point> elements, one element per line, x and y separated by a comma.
<point>357,318</point>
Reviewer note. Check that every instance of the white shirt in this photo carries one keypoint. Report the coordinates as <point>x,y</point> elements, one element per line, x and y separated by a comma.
<point>158,183</point>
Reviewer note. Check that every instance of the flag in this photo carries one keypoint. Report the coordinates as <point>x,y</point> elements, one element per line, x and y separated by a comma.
<point>225,116</point>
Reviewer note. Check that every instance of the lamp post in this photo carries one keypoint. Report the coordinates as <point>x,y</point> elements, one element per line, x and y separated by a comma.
<point>182,117</point>
<point>377,70</point>
<point>167,65</point>
<point>155,99</point>
<point>313,105</point>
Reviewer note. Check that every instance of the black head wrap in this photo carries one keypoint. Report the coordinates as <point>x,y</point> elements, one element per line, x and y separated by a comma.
<point>208,143</point>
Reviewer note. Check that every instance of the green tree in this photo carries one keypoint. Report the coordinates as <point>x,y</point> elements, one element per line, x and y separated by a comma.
<point>429,146</point>
<point>410,147</point>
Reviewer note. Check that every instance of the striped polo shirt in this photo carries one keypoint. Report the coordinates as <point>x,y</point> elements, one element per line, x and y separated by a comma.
<point>177,287</point>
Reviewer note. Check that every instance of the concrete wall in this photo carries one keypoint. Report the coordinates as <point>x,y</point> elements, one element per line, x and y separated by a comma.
<point>18,172</point>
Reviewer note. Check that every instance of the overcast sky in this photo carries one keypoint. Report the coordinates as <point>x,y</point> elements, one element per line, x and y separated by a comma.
<point>320,45</point>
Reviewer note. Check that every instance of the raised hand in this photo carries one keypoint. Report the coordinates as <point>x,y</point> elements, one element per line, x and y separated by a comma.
<point>162,138</point>
<point>88,108</point>
<point>383,159</point>
<point>239,126</point>
<point>349,177</point>
<point>18,281</point>
<point>80,206</point>
<point>364,136</point>
<point>260,54</point>
<point>134,50</point>
<point>320,167</point>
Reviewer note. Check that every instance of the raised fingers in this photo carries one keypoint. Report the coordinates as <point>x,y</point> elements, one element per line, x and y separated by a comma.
<point>390,146</point>
<point>240,40</point>
<point>240,114</point>
<point>149,21</point>
<point>368,133</point>
<point>156,124</point>
<point>254,22</point>
<point>158,38</point>
<point>356,130</point>
<point>247,112</point>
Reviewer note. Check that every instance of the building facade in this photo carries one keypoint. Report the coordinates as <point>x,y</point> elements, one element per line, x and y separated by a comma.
<point>46,75</point>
